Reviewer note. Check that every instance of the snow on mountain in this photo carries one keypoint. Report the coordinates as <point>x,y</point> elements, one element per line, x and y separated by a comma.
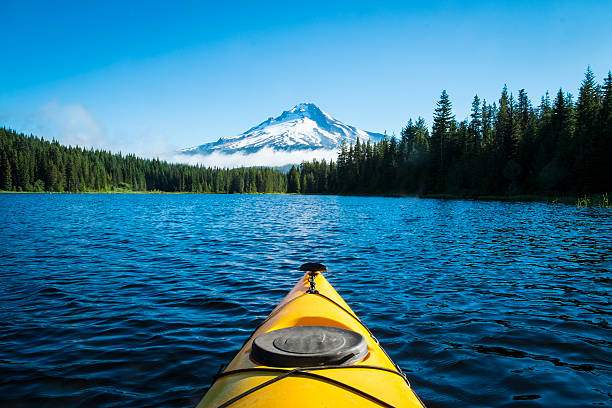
<point>304,127</point>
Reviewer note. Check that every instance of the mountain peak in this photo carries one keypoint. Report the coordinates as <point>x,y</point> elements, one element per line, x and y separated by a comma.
<point>305,107</point>
<point>303,127</point>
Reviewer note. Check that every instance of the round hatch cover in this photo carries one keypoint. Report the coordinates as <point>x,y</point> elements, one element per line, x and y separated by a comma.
<point>304,346</point>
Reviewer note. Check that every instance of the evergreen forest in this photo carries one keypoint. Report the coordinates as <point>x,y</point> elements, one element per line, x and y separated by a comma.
<point>562,146</point>
<point>510,147</point>
<point>28,163</point>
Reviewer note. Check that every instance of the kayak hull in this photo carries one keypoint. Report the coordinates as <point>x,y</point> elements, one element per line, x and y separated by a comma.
<point>373,381</point>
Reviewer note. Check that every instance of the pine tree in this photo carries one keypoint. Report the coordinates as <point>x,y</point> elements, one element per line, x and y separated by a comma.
<point>293,181</point>
<point>487,125</point>
<point>527,147</point>
<point>512,169</point>
<point>475,127</point>
<point>587,129</point>
<point>6,180</point>
<point>503,128</point>
<point>442,122</point>
<point>603,162</point>
<point>554,175</point>
<point>421,137</point>
<point>524,109</point>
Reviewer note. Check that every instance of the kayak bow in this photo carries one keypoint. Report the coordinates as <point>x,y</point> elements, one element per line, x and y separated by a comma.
<point>311,351</point>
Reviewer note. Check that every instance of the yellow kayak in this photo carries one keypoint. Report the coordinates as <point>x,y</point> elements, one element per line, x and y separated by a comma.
<point>312,351</point>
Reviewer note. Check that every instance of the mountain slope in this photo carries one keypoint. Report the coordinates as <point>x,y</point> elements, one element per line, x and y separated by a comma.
<point>304,127</point>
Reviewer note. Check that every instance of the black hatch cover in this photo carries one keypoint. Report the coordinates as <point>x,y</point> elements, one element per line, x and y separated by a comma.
<point>304,346</point>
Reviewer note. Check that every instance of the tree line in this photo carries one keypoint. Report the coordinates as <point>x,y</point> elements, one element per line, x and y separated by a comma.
<point>28,163</point>
<point>510,147</point>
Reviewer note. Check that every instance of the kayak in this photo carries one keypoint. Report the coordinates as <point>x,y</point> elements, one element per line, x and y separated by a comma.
<point>311,351</point>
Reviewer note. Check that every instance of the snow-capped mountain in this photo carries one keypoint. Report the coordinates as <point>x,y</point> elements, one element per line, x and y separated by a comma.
<point>304,127</point>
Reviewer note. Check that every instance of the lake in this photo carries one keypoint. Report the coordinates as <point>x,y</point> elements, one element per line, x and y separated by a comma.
<point>136,300</point>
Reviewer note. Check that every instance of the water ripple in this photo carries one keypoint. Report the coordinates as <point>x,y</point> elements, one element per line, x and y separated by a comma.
<point>135,300</point>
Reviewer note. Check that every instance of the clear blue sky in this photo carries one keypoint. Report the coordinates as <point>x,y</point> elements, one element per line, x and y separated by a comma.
<point>150,76</point>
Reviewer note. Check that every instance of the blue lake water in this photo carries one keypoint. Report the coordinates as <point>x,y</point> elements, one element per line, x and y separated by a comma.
<point>136,300</point>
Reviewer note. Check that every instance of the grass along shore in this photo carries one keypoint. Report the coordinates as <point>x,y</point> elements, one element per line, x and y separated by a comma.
<point>593,200</point>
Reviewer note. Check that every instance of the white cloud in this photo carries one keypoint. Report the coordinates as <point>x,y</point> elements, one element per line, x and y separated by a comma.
<point>264,157</point>
<point>70,125</point>
<point>74,125</point>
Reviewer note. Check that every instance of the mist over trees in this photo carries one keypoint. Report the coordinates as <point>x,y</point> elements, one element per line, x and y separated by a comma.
<point>562,146</point>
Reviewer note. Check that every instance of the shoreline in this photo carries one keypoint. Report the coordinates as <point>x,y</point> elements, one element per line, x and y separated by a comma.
<point>585,201</point>
<point>511,198</point>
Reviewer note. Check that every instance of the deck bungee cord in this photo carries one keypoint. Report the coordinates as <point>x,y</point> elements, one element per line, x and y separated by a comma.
<point>305,371</point>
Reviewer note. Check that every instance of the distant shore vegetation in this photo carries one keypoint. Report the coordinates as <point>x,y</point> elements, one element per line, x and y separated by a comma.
<point>560,148</point>
<point>509,148</point>
<point>29,163</point>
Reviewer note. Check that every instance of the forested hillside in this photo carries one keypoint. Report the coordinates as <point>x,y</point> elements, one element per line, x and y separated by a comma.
<point>509,147</point>
<point>28,163</point>
<point>560,147</point>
